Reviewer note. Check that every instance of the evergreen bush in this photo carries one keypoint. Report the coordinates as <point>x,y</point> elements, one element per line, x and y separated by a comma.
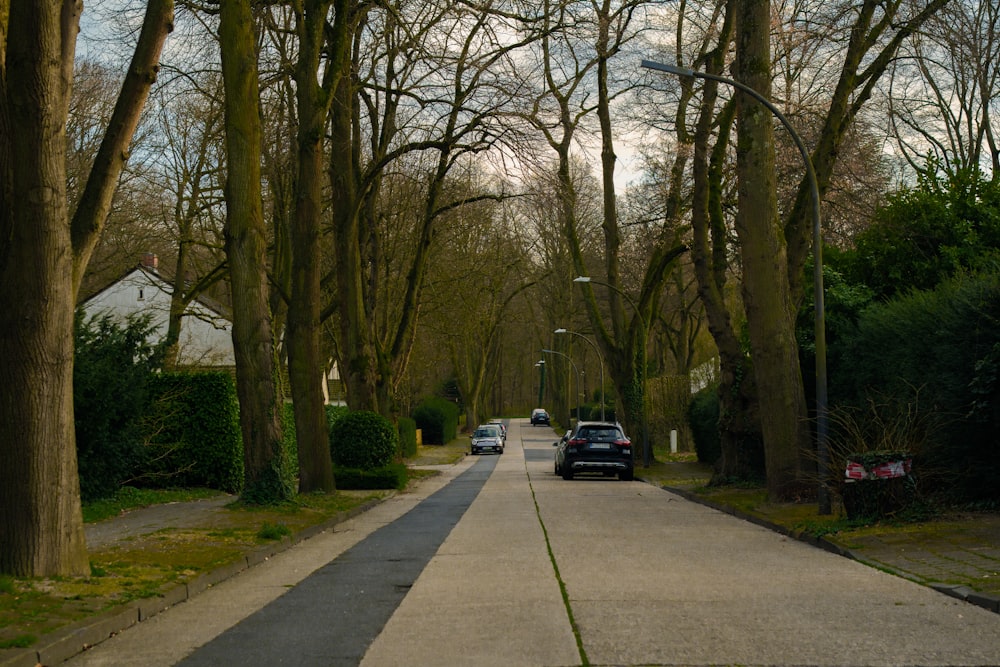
<point>392,476</point>
<point>364,440</point>
<point>703,416</point>
<point>407,437</point>
<point>333,413</point>
<point>193,428</point>
<point>942,345</point>
<point>437,418</point>
<point>111,375</point>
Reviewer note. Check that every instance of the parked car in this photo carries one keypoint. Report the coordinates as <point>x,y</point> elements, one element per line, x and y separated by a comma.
<point>595,447</point>
<point>503,428</point>
<point>561,440</point>
<point>487,437</point>
<point>540,416</point>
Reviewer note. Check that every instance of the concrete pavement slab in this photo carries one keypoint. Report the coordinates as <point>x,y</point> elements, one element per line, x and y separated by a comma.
<point>653,579</point>
<point>489,596</point>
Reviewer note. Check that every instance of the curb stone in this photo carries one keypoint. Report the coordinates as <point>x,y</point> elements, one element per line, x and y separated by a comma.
<point>964,593</point>
<point>69,641</point>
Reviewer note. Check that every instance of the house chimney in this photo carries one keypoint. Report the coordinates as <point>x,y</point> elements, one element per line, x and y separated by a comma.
<point>150,260</point>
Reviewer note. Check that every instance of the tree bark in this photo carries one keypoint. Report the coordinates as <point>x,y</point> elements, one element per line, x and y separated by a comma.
<point>246,248</point>
<point>770,313</point>
<point>41,526</point>
<point>42,259</point>
<point>305,360</point>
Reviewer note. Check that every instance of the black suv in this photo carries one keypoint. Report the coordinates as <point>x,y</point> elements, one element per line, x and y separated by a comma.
<point>539,416</point>
<point>600,447</point>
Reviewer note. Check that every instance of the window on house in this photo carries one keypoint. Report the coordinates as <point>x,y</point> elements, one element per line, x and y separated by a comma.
<point>141,296</point>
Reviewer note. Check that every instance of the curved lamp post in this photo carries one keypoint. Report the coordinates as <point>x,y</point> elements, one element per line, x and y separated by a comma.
<point>599,357</point>
<point>579,382</point>
<point>647,453</point>
<point>822,450</point>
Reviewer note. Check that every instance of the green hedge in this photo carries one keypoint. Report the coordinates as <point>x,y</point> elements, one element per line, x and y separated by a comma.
<point>437,418</point>
<point>935,356</point>
<point>407,437</point>
<point>288,438</point>
<point>194,432</point>
<point>703,416</point>
<point>392,476</point>
<point>334,413</point>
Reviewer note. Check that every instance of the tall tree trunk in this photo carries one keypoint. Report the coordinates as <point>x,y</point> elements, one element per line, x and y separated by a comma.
<point>765,285</point>
<point>246,249</point>
<point>41,527</point>
<point>360,362</point>
<point>739,422</point>
<point>42,259</point>
<point>305,359</point>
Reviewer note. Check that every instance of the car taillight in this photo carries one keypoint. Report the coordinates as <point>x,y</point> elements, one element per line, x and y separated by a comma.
<point>624,444</point>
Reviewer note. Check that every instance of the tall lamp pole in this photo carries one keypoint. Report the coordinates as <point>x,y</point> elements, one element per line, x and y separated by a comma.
<point>647,453</point>
<point>599,357</point>
<point>819,324</point>
<point>579,382</point>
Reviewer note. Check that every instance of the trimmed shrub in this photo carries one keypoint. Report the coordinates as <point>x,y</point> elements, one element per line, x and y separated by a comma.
<point>194,432</point>
<point>437,418</point>
<point>703,415</point>
<point>392,476</point>
<point>407,437</point>
<point>364,440</point>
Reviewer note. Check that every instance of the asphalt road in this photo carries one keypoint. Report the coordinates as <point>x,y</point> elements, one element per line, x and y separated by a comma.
<point>500,562</point>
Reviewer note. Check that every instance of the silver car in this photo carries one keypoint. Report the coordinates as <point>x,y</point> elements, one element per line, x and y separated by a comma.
<point>487,437</point>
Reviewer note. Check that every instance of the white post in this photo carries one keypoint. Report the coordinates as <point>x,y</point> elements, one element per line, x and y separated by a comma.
<point>673,441</point>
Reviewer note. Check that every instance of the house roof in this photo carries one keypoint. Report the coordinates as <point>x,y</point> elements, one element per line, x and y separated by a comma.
<point>163,283</point>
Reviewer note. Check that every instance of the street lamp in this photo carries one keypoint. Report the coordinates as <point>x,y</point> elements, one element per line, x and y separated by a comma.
<point>819,323</point>
<point>540,365</point>
<point>647,453</point>
<point>600,358</point>
<point>579,382</point>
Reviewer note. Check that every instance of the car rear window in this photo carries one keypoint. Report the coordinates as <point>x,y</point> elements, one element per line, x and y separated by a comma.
<point>599,433</point>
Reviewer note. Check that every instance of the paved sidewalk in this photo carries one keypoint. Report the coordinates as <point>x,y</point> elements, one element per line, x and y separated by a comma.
<point>968,550</point>
<point>958,556</point>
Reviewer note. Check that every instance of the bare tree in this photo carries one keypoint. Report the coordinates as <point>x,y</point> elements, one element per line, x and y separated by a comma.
<point>580,40</point>
<point>435,77</point>
<point>944,99</point>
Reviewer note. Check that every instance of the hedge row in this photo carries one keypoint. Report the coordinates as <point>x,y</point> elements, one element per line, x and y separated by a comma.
<point>437,419</point>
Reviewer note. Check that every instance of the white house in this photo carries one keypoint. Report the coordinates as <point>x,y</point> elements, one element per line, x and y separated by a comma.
<point>206,334</point>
